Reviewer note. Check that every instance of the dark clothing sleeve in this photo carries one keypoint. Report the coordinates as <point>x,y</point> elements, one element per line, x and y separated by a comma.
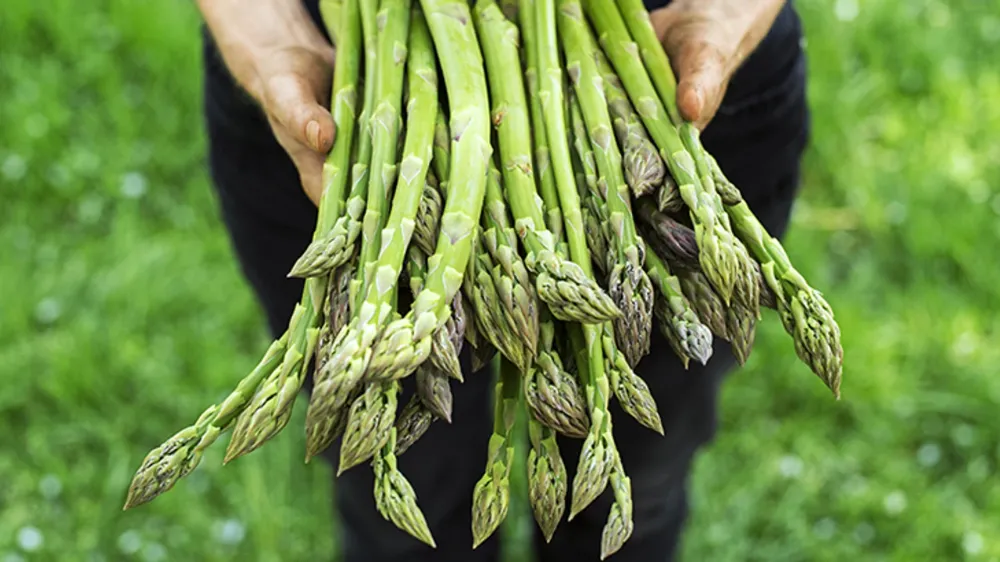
<point>758,138</point>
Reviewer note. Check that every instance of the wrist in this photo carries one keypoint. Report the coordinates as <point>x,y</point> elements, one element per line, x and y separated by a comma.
<point>249,33</point>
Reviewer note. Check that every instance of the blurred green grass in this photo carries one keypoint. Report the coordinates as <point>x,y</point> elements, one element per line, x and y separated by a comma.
<point>123,312</point>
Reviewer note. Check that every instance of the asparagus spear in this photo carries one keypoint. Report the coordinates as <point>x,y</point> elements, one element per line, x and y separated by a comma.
<point>627,281</point>
<point>491,496</point>
<point>271,407</point>
<point>644,169</point>
<point>805,314</point>
<point>560,284</point>
<point>180,454</point>
<point>745,311</point>
<point>678,322</point>
<point>431,382</point>
<point>594,210</point>
<point>517,299</point>
<point>619,527</point>
<point>598,448</point>
<point>636,18</point>
<point>353,345</point>
<point>394,496</point>
<point>553,396</point>
<point>412,422</point>
<point>330,12</point>
<point>494,324</point>
<point>369,423</point>
<point>406,343</point>
<point>483,350</point>
<point>716,240</point>
<point>547,478</point>
<point>335,245</point>
<point>544,173</point>
<point>632,392</point>
<point>707,304</point>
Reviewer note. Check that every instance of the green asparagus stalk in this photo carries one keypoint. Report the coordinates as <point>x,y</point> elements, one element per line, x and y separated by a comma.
<point>369,424</point>
<point>707,304</point>
<point>394,496</point>
<point>448,340</point>
<point>636,18</point>
<point>598,448</point>
<point>412,422</point>
<point>563,286</point>
<point>180,454</point>
<point>619,527</point>
<point>715,238</point>
<point>330,12</point>
<point>386,249</point>
<point>491,496</point>
<point>516,293</point>
<point>628,284</point>
<point>494,324</point>
<point>805,314</point>
<point>547,478</point>
<point>747,289</point>
<point>432,383</point>
<point>598,451</point>
<point>594,209</point>
<point>270,408</point>
<point>406,343</point>
<point>644,169</point>
<point>334,245</point>
<point>483,350</point>
<point>632,392</point>
<point>552,394</point>
<point>543,167</point>
<point>679,323</point>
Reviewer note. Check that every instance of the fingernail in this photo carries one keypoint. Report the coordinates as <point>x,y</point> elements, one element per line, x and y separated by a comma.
<point>312,135</point>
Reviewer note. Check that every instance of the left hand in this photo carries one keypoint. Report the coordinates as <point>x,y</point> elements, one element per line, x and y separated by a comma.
<point>707,40</point>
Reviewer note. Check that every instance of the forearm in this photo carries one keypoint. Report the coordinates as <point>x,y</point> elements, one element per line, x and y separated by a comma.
<point>246,30</point>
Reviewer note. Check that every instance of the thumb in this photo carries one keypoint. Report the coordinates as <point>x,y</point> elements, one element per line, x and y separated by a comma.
<point>292,101</point>
<point>701,80</point>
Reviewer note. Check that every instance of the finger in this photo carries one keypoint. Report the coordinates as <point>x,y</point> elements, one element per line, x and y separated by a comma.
<point>701,79</point>
<point>310,166</point>
<point>307,162</point>
<point>292,101</point>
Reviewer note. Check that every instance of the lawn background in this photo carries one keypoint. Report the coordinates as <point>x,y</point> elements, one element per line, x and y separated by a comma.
<point>123,314</point>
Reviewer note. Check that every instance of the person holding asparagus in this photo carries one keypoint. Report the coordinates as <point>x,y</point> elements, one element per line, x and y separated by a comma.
<point>740,80</point>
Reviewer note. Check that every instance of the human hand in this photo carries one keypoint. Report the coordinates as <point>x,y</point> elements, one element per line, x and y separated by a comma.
<point>276,53</point>
<point>707,41</point>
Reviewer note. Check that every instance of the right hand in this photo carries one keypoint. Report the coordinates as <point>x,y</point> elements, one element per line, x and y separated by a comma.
<point>275,52</point>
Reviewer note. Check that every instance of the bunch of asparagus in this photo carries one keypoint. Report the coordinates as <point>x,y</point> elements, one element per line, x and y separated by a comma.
<point>549,207</point>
